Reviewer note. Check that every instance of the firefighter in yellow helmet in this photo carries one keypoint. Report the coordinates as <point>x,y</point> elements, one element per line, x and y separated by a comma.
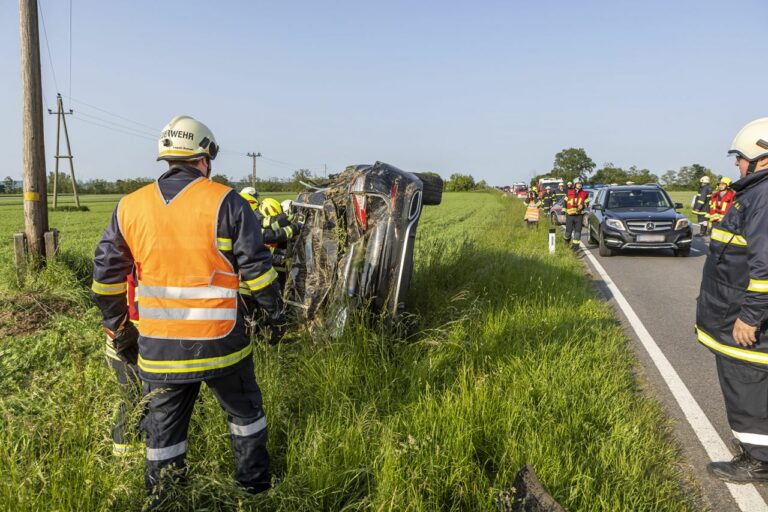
<point>279,222</point>
<point>190,239</point>
<point>732,308</point>
<point>721,201</point>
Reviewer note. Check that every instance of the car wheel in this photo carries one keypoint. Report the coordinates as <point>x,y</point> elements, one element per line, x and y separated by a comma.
<point>683,253</point>
<point>432,193</point>
<point>591,239</point>
<point>603,250</point>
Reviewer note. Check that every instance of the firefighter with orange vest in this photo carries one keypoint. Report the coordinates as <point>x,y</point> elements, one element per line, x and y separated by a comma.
<point>575,201</point>
<point>732,309</point>
<point>191,241</point>
<point>721,201</point>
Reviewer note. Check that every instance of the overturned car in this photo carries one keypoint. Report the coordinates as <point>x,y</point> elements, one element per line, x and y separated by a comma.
<point>355,248</point>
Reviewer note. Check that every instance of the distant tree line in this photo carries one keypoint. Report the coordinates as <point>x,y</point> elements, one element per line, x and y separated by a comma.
<point>574,163</point>
<point>128,185</point>
<point>463,183</point>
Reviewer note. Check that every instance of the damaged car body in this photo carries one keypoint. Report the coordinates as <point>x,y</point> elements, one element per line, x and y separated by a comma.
<point>355,248</point>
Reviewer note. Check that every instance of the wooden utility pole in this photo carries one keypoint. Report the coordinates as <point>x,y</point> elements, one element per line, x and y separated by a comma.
<point>60,119</point>
<point>253,177</point>
<point>33,144</point>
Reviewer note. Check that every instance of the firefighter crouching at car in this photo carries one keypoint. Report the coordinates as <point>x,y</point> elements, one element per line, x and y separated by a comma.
<point>126,432</point>
<point>732,308</point>
<point>575,202</point>
<point>277,228</point>
<point>721,201</point>
<point>276,220</point>
<point>701,205</point>
<point>190,239</point>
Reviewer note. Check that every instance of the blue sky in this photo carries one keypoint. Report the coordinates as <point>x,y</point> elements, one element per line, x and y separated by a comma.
<point>494,89</point>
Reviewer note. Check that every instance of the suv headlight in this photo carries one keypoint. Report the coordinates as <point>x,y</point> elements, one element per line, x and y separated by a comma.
<point>615,224</point>
<point>681,223</point>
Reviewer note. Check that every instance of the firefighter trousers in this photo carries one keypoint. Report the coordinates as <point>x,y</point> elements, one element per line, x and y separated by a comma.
<point>573,224</point>
<point>745,390</point>
<point>126,432</point>
<point>169,410</point>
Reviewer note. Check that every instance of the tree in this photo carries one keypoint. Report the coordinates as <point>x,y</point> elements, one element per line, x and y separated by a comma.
<point>573,163</point>
<point>460,183</point>
<point>669,178</point>
<point>221,178</point>
<point>8,185</point>
<point>610,174</point>
<point>641,176</point>
<point>300,175</point>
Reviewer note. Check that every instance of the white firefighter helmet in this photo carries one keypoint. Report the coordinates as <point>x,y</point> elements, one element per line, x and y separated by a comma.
<point>704,179</point>
<point>751,142</point>
<point>577,180</point>
<point>185,138</point>
<point>286,205</point>
<point>250,191</point>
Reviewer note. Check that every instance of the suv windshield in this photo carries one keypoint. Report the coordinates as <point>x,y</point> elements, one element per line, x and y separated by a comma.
<point>637,198</point>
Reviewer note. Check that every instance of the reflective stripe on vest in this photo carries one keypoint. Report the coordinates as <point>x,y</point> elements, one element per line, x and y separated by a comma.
<point>187,288</point>
<point>736,353</point>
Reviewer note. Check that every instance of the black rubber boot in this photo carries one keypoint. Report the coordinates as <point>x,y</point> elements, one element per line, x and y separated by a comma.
<point>743,468</point>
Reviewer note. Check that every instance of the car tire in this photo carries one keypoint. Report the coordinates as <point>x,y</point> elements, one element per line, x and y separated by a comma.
<point>591,238</point>
<point>432,191</point>
<point>683,253</point>
<point>602,249</point>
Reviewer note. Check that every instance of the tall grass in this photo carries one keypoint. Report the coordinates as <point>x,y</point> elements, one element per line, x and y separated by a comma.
<point>512,361</point>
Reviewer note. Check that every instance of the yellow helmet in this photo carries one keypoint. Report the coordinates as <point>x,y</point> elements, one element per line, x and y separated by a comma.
<point>270,207</point>
<point>185,138</point>
<point>725,181</point>
<point>250,195</point>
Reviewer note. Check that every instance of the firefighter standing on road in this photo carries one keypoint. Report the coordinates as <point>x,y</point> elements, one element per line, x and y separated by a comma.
<point>560,192</point>
<point>732,308</point>
<point>547,200</point>
<point>721,201</point>
<point>701,205</point>
<point>190,239</point>
<point>575,201</point>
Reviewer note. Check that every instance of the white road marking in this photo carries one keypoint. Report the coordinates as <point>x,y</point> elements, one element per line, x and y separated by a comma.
<point>746,496</point>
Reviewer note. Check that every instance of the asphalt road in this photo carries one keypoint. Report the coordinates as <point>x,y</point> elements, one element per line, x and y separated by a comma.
<point>662,290</point>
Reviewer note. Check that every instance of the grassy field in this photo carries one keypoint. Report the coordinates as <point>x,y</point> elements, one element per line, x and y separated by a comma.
<point>684,197</point>
<point>515,361</point>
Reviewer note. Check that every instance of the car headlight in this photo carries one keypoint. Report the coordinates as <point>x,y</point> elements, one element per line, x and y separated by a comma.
<point>615,224</point>
<point>681,223</point>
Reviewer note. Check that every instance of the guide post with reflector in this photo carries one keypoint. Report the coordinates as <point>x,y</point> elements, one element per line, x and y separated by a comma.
<point>551,240</point>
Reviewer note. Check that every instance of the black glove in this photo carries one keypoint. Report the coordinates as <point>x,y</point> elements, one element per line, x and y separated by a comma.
<point>125,341</point>
<point>296,227</point>
<point>277,328</point>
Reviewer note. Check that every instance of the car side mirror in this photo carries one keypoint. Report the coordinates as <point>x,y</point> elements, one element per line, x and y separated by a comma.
<point>678,206</point>
<point>597,207</point>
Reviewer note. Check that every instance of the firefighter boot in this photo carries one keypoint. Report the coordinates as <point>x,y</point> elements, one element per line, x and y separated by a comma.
<point>743,468</point>
<point>703,229</point>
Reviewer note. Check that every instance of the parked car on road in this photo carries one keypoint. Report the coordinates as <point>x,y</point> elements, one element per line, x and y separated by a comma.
<point>637,217</point>
<point>355,248</point>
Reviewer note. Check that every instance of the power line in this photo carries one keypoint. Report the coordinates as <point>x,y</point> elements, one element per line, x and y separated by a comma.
<point>50,58</point>
<point>111,113</point>
<point>116,125</point>
<point>113,128</point>
<point>70,47</point>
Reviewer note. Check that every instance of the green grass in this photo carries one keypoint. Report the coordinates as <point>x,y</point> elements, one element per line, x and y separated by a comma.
<point>684,197</point>
<point>514,361</point>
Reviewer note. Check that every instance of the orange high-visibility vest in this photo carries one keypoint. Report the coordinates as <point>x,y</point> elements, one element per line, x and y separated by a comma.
<point>187,288</point>
<point>719,204</point>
